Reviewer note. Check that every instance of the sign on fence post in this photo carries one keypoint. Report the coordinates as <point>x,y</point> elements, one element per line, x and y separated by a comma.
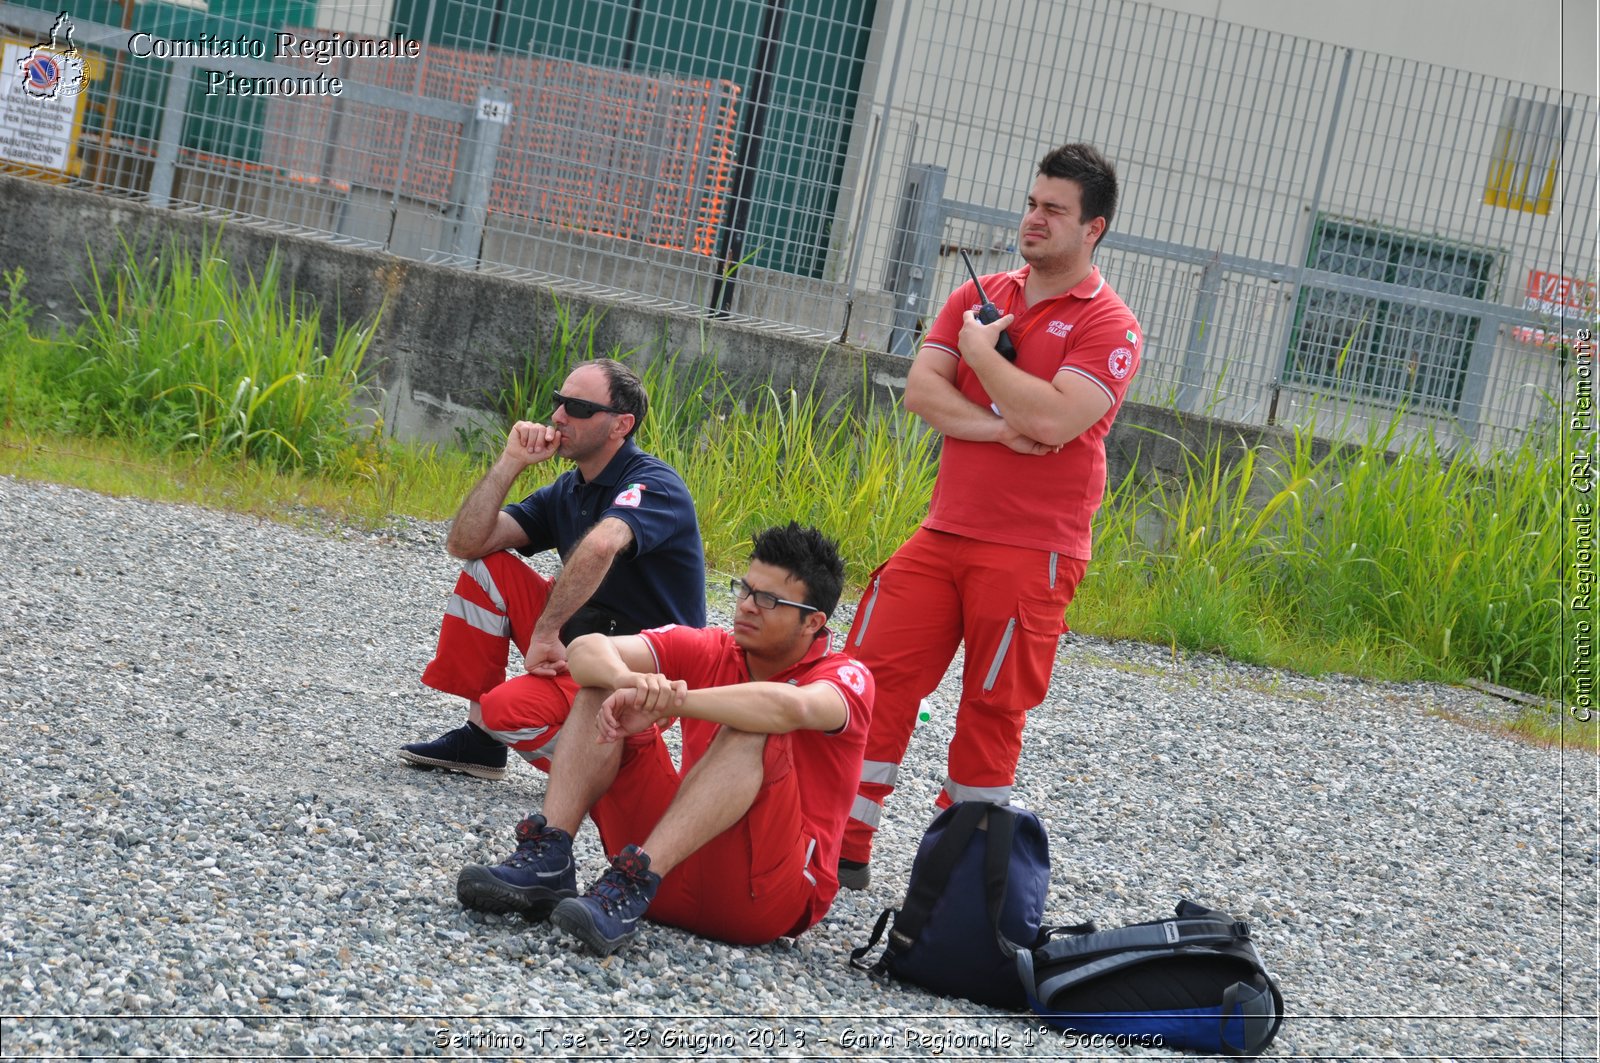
<point>41,103</point>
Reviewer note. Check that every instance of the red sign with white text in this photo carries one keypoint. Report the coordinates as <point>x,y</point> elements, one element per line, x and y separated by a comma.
<point>1559,297</point>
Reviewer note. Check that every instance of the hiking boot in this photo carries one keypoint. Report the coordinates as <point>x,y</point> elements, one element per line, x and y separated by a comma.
<point>531,880</point>
<point>467,749</point>
<point>854,874</point>
<point>609,913</point>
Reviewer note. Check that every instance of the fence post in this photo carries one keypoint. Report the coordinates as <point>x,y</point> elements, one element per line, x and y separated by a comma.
<point>874,167</point>
<point>913,247</point>
<point>1192,383</point>
<point>169,139</point>
<point>469,192</point>
<point>747,157</point>
<point>1293,294</point>
<point>1470,409</point>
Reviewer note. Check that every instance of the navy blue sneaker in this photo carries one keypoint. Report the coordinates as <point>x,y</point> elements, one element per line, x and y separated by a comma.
<point>609,913</point>
<point>531,880</point>
<point>467,749</point>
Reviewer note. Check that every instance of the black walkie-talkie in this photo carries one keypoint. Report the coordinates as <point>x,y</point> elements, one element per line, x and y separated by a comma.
<point>988,313</point>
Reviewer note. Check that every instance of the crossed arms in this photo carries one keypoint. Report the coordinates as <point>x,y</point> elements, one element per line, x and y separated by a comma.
<point>640,696</point>
<point>1037,416</point>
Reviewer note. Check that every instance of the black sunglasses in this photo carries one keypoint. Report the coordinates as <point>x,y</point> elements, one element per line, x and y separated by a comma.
<point>766,599</point>
<point>582,409</point>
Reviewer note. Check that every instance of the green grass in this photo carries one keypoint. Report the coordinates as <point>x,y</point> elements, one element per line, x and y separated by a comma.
<point>179,351</point>
<point>1384,558</point>
<point>192,383</point>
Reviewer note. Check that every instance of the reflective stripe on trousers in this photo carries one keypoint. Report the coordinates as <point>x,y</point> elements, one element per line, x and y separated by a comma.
<point>999,795</point>
<point>866,812</point>
<point>866,612</point>
<point>879,771</point>
<point>526,734</point>
<point>484,578</point>
<point>476,616</point>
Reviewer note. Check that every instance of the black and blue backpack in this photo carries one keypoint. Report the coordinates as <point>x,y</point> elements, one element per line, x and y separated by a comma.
<point>972,926</point>
<point>1193,981</point>
<point>974,903</point>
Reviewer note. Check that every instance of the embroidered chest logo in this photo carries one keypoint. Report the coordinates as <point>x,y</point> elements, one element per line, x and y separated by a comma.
<point>1120,364</point>
<point>851,677</point>
<point>1058,328</point>
<point>631,497</point>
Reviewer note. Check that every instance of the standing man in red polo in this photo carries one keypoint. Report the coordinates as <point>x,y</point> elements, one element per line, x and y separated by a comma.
<point>1021,472</point>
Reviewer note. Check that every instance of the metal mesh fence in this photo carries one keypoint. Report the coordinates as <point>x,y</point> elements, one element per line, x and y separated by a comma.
<point>1308,232</point>
<point>628,156</point>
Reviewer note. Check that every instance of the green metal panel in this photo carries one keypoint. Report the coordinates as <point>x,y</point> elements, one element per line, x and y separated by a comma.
<point>819,76</point>
<point>224,125</point>
<point>1379,349</point>
<point>106,11</point>
<point>810,111</point>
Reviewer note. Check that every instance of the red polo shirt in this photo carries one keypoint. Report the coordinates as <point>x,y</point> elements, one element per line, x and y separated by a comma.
<point>827,764</point>
<point>989,492</point>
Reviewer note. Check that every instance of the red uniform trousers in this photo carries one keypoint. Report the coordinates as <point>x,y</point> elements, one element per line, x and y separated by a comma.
<point>497,601</point>
<point>937,591</point>
<point>750,884</point>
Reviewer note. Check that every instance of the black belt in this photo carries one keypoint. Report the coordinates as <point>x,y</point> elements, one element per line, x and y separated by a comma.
<point>593,620</point>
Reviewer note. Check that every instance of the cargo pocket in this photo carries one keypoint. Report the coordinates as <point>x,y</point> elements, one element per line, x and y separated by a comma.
<point>775,877</point>
<point>1035,626</point>
<point>780,877</point>
<point>869,601</point>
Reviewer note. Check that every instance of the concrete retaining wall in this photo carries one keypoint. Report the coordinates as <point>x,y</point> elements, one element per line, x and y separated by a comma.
<point>446,337</point>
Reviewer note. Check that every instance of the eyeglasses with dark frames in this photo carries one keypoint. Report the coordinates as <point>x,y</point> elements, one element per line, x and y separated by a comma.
<point>765,599</point>
<point>582,409</point>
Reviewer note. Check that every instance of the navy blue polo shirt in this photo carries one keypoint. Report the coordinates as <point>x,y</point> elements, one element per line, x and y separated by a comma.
<point>662,578</point>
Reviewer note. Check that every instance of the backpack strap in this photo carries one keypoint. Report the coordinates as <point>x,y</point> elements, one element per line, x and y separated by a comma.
<point>997,870</point>
<point>1261,1010</point>
<point>1161,935</point>
<point>1084,972</point>
<point>925,890</point>
<point>1047,933</point>
<point>1196,929</point>
<point>857,955</point>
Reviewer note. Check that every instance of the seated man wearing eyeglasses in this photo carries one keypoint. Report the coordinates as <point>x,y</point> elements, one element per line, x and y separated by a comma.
<point>742,845</point>
<point>625,528</point>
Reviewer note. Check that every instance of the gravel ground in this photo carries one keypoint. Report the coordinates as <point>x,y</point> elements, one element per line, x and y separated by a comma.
<point>210,847</point>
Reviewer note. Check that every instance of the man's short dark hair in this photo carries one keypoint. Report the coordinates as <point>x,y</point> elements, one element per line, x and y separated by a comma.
<point>808,556</point>
<point>627,390</point>
<point>1096,178</point>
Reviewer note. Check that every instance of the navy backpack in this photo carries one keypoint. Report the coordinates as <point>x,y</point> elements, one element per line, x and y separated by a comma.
<point>1194,981</point>
<point>976,897</point>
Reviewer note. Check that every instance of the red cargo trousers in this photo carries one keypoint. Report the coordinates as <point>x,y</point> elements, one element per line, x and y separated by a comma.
<point>497,601</point>
<point>940,590</point>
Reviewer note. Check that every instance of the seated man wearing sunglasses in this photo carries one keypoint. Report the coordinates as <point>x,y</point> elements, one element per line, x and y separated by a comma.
<point>742,844</point>
<point>625,528</point>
